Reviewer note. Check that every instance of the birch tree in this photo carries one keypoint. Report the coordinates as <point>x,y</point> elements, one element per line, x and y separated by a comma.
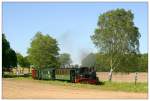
<point>116,36</point>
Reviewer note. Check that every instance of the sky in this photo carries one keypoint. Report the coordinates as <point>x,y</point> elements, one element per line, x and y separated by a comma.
<point>71,24</point>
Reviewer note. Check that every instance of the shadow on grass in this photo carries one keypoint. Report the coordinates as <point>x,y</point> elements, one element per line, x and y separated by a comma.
<point>14,76</point>
<point>69,82</point>
<point>100,83</point>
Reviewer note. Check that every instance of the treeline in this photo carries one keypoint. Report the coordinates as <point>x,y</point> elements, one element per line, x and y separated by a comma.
<point>9,58</point>
<point>43,53</point>
<point>136,63</point>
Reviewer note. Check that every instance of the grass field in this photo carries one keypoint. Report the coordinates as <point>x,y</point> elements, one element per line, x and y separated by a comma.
<point>112,86</point>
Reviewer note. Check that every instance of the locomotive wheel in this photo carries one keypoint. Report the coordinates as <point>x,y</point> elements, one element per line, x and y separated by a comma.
<point>84,81</point>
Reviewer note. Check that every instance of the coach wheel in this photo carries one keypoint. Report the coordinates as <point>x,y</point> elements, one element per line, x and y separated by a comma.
<point>84,81</point>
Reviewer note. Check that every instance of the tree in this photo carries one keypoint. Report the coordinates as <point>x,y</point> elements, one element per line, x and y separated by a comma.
<point>9,58</point>
<point>102,63</point>
<point>43,51</point>
<point>27,63</point>
<point>65,59</point>
<point>116,36</point>
<point>143,64</point>
<point>133,63</point>
<point>5,51</point>
<point>20,60</point>
<point>12,58</point>
<point>23,61</point>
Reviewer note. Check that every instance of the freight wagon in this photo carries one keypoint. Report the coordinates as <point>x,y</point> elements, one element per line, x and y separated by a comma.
<point>74,75</point>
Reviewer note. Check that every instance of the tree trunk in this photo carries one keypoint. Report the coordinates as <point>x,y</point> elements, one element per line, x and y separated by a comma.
<point>29,70</point>
<point>111,70</point>
<point>2,73</point>
<point>23,70</point>
<point>110,75</point>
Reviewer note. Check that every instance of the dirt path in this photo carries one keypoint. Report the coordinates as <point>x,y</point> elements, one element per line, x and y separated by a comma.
<point>27,89</point>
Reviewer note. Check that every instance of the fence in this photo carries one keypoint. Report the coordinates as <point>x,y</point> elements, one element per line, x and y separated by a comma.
<point>124,77</point>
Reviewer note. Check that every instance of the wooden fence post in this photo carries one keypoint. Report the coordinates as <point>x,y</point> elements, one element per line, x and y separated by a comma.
<point>136,77</point>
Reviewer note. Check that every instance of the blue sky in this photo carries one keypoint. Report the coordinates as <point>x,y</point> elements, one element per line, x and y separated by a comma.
<point>71,24</point>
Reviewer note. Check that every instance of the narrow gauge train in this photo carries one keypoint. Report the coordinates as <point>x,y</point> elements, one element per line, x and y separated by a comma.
<point>74,75</point>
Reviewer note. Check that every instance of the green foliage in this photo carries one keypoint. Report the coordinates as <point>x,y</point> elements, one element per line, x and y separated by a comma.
<point>117,37</point>
<point>20,60</point>
<point>12,59</point>
<point>5,51</point>
<point>65,59</point>
<point>23,61</point>
<point>43,51</point>
<point>9,58</point>
<point>133,63</point>
<point>143,63</point>
<point>102,63</point>
<point>26,61</point>
<point>128,63</point>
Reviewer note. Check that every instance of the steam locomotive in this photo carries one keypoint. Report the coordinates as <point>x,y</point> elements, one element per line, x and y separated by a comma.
<point>74,75</point>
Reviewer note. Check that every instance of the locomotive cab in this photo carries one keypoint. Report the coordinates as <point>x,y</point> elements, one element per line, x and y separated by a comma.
<point>86,75</point>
